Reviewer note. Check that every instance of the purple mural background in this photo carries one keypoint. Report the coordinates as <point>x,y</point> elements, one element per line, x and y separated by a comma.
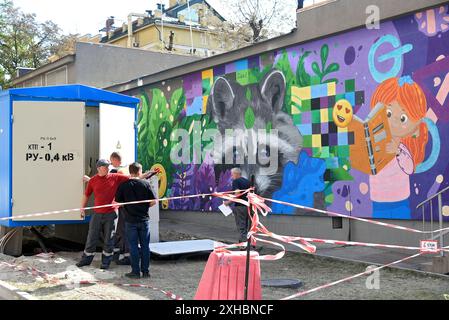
<point>317,74</point>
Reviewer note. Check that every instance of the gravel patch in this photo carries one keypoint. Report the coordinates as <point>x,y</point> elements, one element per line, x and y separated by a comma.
<point>181,276</point>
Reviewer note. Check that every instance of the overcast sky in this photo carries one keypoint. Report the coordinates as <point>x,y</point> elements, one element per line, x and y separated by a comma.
<point>89,16</point>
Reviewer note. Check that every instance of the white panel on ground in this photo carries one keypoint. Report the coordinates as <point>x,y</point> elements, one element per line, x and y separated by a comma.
<point>48,158</point>
<point>117,132</point>
<point>183,247</point>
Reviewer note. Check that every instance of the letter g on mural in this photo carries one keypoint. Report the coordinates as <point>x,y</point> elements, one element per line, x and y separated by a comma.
<point>391,84</point>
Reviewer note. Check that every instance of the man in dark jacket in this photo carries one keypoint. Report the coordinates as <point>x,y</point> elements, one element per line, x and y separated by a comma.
<point>137,220</point>
<point>240,211</point>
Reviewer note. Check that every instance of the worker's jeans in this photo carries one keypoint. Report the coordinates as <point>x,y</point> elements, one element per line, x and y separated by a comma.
<point>101,225</point>
<point>139,234</point>
<point>120,241</point>
<point>241,220</point>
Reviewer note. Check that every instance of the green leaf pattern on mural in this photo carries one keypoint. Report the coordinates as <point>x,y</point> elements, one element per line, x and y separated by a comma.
<point>177,102</point>
<point>157,119</point>
<point>248,94</point>
<point>269,127</point>
<point>188,124</point>
<point>324,71</point>
<point>283,64</point>
<point>302,77</point>
<point>321,70</point>
<point>250,118</point>
<point>324,55</point>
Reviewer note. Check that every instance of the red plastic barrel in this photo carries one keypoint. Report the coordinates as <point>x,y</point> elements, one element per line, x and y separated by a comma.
<point>224,277</point>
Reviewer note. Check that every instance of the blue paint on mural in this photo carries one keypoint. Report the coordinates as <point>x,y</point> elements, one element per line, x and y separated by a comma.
<point>395,54</point>
<point>436,146</point>
<point>300,183</point>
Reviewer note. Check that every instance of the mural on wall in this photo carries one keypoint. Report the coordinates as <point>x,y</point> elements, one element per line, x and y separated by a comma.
<point>359,121</point>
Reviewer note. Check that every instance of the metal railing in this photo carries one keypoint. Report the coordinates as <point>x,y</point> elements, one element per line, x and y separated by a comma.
<point>422,205</point>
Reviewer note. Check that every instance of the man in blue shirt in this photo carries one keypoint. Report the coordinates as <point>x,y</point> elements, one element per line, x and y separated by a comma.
<point>240,211</point>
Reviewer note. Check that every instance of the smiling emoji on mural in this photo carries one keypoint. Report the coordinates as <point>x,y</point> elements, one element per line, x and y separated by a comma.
<point>343,113</point>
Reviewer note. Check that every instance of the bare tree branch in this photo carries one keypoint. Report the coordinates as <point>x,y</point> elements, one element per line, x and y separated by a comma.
<point>265,18</point>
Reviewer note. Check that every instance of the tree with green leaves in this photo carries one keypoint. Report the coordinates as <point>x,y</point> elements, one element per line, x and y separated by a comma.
<point>24,42</point>
<point>65,46</point>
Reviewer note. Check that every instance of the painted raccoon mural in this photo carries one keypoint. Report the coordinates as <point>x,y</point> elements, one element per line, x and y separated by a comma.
<point>301,93</point>
<point>248,109</point>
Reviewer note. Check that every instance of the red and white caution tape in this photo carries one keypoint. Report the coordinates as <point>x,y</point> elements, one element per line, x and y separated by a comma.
<point>37,273</point>
<point>168,294</point>
<point>256,201</point>
<point>116,205</point>
<point>303,293</point>
<point>355,243</point>
<point>31,271</point>
<point>256,205</point>
<point>257,230</point>
<point>330,213</point>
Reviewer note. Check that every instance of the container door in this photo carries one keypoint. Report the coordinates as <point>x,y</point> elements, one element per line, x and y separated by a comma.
<point>48,159</point>
<point>92,140</point>
<point>118,132</point>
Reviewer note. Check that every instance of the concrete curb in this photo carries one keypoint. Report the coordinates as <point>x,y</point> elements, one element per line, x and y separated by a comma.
<point>9,292</point>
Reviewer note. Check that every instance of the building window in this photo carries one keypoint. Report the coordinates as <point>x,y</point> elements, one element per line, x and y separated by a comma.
<point>204,39</point>
<point>34,82</point>
<point>56,77</point>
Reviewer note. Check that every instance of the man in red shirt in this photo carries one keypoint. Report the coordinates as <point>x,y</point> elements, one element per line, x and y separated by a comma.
<point>104,186</point>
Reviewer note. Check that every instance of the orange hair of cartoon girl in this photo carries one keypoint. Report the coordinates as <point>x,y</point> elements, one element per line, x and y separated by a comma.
<point>413,100</point>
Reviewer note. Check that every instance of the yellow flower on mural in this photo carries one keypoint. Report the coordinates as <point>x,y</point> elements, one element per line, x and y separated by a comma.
<point>162,176</point>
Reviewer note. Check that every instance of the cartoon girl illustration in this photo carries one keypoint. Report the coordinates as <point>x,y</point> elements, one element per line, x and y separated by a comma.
<point>406,110</point>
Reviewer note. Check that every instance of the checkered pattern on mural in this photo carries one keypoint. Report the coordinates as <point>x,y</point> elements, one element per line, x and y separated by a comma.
<point>197,86</point>
<point>312,109</point>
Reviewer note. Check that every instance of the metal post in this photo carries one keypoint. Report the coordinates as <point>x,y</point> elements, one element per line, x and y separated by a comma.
<point>190,25</point>
<point>40,239</point>
<point>440,217</point>
<point>423,222</point>
<point>130,30</point>
<point>248,260</point>
<point>162,28</point>
<point>248,246</point>
<point>431,217</point>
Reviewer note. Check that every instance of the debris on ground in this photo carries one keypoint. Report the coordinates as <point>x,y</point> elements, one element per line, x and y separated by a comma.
<point>181,277</point>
